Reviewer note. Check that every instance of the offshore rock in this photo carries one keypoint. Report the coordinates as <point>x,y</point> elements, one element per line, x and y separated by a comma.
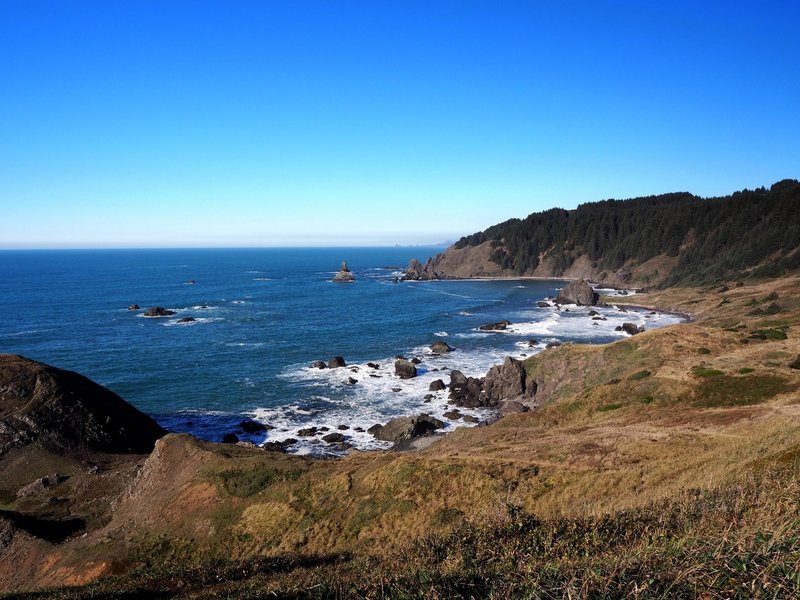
<point>630,328</point>
<point>336,362</point>
<point>499,326</point>
<point>158,311</point>
<point>578,292</point>
<point>344,275</point>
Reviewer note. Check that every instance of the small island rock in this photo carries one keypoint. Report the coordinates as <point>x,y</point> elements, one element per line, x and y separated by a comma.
<point>578,292</point>
<point>440,347</point>
<point>344,275</point>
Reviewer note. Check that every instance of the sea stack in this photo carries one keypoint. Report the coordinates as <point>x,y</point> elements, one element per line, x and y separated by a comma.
<point>344,275</point>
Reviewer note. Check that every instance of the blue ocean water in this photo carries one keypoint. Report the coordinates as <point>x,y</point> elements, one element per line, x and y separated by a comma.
<point>262,317</point>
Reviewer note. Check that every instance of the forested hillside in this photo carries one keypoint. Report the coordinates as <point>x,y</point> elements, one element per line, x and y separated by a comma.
<point>751,232</point>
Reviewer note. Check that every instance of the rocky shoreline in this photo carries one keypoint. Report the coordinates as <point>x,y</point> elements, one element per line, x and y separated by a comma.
<point>505,389</point>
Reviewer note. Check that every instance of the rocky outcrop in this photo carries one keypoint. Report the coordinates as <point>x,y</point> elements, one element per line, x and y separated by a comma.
<point>336,362</point>
<point>344,275</point>
<point>440,347</point>
<point>406,428</point>
<point>416,271</point>
<point>512,407</point>
<point>578,292</point>
<point>158,311</point>
<point>405,369</point>
<point>508,381</point>
<point>436,385</point>
<point>66,412</point>
<point>133,307</point>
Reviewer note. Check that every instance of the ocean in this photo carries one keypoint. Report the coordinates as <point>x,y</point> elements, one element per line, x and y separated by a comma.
<point>262,316</point>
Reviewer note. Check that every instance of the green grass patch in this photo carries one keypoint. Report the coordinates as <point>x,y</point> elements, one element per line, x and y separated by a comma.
<point>768,334</point>
<point>445,517</point>
<point>247,482</point>
<point>610,407</point>
<point>706,372</point>
<point>646,399</point>
<point>703,350</point>
<point>745,370</point>
<point>728,390</point>
<point>639,375</point>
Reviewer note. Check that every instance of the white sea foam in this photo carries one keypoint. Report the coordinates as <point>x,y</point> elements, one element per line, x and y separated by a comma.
<point>441,333</point>
<point>262,278</point>
<point>197,321</point>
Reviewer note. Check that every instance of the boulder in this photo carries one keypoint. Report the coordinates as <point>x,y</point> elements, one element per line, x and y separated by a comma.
<point>795,364</point>
<point>186,320</point>
<point>543,304</point>
<point>406,428</point>
<point>452,415</point>
<point>307,432</point>
<point>553,345</point>
<point>230,438</point>
<point>436,386</point>
<point>65,412</point>
<point>336,362</point>
<point>373,365</point>
<point>440,347</point>
<point>352,381</point>
<point>274,447</point>
<point>333,438</point>
<point>158,311</point>
<point>578,292</point>
<point>41,484</point>
<point>319,364</point>
<point>416,361</point>
<point>405,369</point>
<point>499,326</point>
<point>512,407</point>
<point>344,275</point>
<point>133,307</point>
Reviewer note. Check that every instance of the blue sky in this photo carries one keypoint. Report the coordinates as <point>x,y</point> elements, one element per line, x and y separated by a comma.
<point>154,123</point>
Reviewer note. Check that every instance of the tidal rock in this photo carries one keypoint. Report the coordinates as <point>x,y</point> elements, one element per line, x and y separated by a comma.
<point>230,438</point>
<point>336,362</point>
<point>133,307</point>
<point>466,391</point>
<point>250,426</point>
<point>344,275</point>
<point>436,385</point>
<point>405,369</point>
<point>630,328</point>
<point>543,304</point>
<point>593,313</point>
<point>415,361</point>
<point>351,381</point>
<point>319,364</point>
<point>186,320</point>
<point>333,438</point>
<point>470,419</point>
<point>406,428</point>
<point>307,432</point>
<point>499,326</point>
<point>158,311</point>
<point>440,347</point>
<point>578,292</point>
<point>532,343</point>
<point>343,427</point>
<point>553,345</point>
<point>452,415</point>
<point>373,365</point>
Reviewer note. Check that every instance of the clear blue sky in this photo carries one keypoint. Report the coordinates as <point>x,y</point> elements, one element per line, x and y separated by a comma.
<point>169,123</point>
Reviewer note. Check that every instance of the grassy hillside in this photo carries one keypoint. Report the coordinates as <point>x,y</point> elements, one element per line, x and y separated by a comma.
<point>671,239</point>
<point>663,465</point>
